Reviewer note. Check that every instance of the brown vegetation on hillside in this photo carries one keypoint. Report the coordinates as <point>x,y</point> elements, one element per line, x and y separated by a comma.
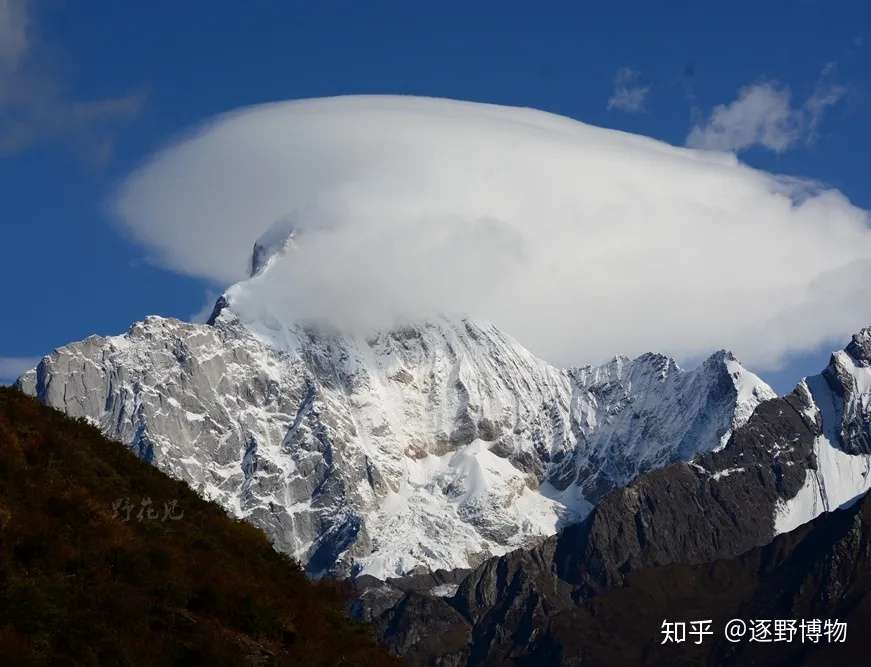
<point>104,560</point>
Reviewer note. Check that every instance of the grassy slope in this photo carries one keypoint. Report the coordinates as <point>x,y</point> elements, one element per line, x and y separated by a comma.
<point>80,585</point>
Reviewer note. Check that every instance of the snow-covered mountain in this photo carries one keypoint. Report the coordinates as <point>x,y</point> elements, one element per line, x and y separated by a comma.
<point>838,402</point>
<point>431,445</point>
<point>798,456</point>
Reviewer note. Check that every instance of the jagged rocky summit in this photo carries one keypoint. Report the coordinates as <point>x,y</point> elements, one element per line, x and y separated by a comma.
<point>430,446</point>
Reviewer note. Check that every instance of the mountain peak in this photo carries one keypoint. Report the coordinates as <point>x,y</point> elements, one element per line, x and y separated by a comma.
<point>722,356</point>
<point>271,243</point>
<point>219,307</point>
<point>860,346</point>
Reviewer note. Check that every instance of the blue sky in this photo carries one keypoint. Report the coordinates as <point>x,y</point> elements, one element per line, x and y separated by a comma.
<point>90,90</point>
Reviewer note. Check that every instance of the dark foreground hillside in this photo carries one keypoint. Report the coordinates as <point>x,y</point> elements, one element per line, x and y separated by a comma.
<point>106,561</point>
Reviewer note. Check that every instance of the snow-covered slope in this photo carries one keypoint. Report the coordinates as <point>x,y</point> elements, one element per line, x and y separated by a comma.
<point>432,445</point>
<point>839,404</point>
<point>635,415</point>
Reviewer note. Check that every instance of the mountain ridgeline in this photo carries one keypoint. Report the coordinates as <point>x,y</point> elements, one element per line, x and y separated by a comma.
<point>429,446</point>
<point>425,447</point>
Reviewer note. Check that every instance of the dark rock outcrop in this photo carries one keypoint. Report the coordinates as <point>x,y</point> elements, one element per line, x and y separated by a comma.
<point>821,570</point>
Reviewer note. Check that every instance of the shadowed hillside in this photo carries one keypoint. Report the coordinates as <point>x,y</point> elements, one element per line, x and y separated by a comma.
<point>106,561</point>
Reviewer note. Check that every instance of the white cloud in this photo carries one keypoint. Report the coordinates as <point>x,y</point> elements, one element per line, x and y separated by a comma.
<point>34,105</point>
<point>763,115</point>
<point>629,93</point>
<point>12,367</point>
<point>827,93</point>
<point>579,241</point>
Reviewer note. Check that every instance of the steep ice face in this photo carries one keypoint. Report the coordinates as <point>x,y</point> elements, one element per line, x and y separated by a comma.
<point>838,479</point>
<point>839,404</point>
<point>751,390</point>
<point>432,445</point>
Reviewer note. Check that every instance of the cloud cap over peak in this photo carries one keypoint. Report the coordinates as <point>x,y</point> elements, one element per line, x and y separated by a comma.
<point>580,241</point>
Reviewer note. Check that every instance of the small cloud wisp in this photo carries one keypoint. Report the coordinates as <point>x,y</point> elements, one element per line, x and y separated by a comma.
<point>629,93</point>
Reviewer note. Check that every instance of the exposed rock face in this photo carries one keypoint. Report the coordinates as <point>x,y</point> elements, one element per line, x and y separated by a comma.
<point>848,377</point>
<point>430,446</point>
<point>821,570</point>
<point>777,472</point>
<point>860,347</point>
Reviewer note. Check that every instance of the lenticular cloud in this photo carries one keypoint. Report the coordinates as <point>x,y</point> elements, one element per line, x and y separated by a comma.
<point>580,241</point>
